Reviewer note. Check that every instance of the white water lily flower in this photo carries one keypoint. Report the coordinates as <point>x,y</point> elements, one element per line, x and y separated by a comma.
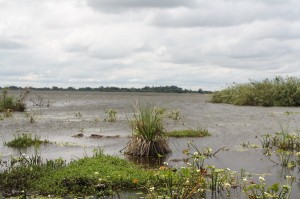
<point>165,163</point>
<point>227,185</point>
<point>209,150</point>
<point>261,179</point>
<point>196,153</point>
<point>244,179</point>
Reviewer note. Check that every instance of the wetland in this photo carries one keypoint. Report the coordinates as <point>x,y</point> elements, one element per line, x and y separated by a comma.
<point>75,123</point>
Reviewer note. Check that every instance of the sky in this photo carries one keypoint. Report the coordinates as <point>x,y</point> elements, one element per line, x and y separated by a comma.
<point>207,44</point>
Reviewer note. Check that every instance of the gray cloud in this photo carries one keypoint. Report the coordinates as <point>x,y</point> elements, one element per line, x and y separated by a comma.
<point>10,45</point>
<point>121,5</point>
<point>222,13</point>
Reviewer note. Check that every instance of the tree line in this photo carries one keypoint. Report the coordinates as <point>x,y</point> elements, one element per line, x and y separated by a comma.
<point>157,89</point>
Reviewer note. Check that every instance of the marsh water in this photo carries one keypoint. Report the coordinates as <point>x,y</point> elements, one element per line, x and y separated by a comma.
<point>64,114</point>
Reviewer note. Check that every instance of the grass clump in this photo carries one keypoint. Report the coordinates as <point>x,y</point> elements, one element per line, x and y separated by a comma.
<point>25,140</point>
<point>276,92</point>
<point>148,133</point>
<point>199,132</point>
<point>9,103</point>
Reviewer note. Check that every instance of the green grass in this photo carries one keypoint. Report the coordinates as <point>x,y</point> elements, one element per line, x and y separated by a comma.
<point>276,92</point>
<point>97,175</point>
<point>25,140</point>
<point>199,132</point>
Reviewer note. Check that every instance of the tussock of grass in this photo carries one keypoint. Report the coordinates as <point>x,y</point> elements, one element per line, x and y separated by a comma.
<point>200,132</point>
<point>25,140</point>
<point>277,92</point>
<point>148,133</point>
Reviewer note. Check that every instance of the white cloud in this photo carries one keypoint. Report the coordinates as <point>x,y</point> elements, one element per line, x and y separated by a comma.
<point>189,43</point>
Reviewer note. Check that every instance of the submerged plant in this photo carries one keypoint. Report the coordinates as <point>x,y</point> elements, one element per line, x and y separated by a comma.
<point>148,133</point>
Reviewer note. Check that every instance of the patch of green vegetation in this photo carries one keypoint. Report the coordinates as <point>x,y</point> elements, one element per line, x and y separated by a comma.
<point>9,103</point>
<point>286,148</point>
<point>111,115</point>
<point>277,92</point>
<point>282,140</point>
<point>98,175</point>
<point>104,175</point>
<point>291,113</point>
<point>198,180</point>
<point>148,133</point>
<point>174,114</point>
<point>25,140</point>
<point>199,132</point>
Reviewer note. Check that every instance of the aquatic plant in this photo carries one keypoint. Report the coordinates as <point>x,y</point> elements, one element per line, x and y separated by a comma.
<point>78,114</point>
<point>111,115</point>
<point>276,92</point>
<point>282,139</point>
<point>199,132</point>
<point>174,114</point>
<point>148,136</point>
<point>262,190</point>
<point>194,180</point>
<point>9,103</point>
<point>25,140</point>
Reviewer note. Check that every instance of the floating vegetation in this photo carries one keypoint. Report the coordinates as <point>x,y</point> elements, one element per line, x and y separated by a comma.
<point>199,132</point>
<point>25,140</point>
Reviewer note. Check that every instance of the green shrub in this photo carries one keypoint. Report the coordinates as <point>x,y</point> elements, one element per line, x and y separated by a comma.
<point>277,92</point>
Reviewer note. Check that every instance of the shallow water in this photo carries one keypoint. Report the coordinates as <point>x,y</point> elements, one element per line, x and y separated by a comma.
<point>229,125</point>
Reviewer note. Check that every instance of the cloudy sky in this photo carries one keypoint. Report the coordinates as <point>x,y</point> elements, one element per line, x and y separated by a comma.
<point>193,44</point>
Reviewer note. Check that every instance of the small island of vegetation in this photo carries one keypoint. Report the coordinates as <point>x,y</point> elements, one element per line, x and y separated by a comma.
<point>276,92</point>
